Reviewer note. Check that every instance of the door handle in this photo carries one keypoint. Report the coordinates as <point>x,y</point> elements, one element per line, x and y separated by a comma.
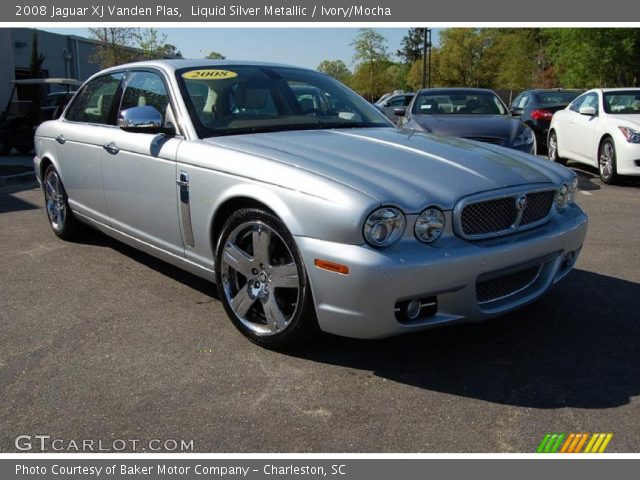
<point>60,139</point>
<point>183,179</point>
<point>111,147</point>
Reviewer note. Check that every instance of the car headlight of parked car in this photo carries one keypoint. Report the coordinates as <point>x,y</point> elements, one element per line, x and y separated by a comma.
<point>525,138</point>
<point>384,227</point>
<point>429,225</point>
<point>632,136</point>
<point>567,194</point>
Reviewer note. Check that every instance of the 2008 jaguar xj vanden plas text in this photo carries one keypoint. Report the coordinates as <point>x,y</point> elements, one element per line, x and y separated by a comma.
<point>307,208</point>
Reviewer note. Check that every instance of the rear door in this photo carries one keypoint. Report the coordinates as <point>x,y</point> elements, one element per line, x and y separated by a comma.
<point>79,144</point>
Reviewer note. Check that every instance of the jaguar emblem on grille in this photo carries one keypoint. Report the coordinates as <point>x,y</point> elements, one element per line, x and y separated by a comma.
<point>521,202</point>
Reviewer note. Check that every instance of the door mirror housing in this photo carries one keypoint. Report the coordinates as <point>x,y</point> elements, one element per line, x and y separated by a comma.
<point>144,119</point>
<point>589,111</point>
<point>400,111</point>
<point>516,112</point>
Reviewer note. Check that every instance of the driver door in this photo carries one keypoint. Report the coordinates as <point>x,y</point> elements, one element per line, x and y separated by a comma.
<point>139,170</point>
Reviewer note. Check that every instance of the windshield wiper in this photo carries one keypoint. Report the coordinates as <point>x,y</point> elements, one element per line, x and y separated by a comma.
<point>292,127</point>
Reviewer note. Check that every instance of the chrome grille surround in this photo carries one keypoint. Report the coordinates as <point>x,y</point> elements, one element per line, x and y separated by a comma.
<point>495,213</point>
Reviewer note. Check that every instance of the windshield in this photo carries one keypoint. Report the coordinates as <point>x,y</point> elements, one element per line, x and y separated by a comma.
<point>444,103</point>
<point>622,102</point>
<point>231,100</point>
<point>557,98</point>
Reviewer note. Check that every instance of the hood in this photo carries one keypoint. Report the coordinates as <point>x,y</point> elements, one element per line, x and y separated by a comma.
<point>632,120</point>
<point>405,168</point>
<point>503,127</point>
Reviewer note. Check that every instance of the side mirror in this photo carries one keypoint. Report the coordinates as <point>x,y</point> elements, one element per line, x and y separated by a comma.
<point>589,111</point>
<point>400,112</point>
<point>516,112</point>
<point>143,120</point>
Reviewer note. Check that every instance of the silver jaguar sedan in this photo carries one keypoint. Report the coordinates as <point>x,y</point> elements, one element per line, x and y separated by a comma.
<point>308,215</point>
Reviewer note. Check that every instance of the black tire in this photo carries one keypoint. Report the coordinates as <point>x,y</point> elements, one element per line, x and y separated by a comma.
<point>61,219</point>
<point>273,316</point>
<point>552,149</point>
<point>607,167</point>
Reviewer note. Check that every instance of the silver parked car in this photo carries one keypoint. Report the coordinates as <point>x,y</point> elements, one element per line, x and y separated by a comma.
<point>307,217</point>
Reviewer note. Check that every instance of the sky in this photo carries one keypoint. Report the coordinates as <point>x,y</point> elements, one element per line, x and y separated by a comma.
<point>304,47</point>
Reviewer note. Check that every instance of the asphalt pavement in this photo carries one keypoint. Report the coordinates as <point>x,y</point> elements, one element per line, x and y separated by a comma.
<point>101,342</point>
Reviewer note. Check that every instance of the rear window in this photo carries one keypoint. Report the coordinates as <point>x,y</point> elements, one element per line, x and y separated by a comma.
<point>556,98</point>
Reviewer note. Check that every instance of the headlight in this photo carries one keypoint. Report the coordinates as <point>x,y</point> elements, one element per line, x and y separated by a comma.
<point>384,227</point>
<point>429,225</point>
<point>632,136</point>
<point>525,138</point>
<point>567,194</point>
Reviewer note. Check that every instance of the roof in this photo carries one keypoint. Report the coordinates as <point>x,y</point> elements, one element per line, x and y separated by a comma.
<point>48,81</point>
<point>176,64</point>
<point>454,89</point>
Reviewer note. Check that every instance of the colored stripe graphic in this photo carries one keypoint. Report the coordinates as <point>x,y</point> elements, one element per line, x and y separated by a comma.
<point>574,443</point>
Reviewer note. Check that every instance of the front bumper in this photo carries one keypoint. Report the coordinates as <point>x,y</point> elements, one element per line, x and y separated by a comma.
<point>362,304</point>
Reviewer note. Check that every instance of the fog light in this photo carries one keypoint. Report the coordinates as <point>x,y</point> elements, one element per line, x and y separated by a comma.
<point>413,309</point>
<point>568,259</point>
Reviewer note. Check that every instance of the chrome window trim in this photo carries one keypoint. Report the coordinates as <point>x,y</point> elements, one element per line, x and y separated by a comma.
<point>496,195</point>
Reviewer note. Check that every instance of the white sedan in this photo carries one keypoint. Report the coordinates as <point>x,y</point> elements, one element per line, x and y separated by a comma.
<point>601,128</point>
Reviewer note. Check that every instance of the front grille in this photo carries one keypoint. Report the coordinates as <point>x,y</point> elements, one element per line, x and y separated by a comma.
<point>499,216</point>
<point>489,216</point>
<point>505,285</point>
<point>492,140</point>
<point>538,206</point>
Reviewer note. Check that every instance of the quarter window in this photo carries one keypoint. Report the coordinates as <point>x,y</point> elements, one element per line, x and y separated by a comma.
<point>95,102</point>
<point>145,89</point>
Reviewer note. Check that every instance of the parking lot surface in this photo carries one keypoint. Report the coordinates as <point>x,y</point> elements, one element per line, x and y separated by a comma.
<point>99,341</point>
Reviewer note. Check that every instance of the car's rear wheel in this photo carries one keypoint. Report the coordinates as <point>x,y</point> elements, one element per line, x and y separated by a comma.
<point>63,223</point>
<point>552,149</point>
<point>607,162</point>
<point>262,282</point>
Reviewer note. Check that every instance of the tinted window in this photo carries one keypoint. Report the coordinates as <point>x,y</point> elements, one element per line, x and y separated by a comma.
<point>555,98</point>
<point>145,89</point>
<point>95,102</point>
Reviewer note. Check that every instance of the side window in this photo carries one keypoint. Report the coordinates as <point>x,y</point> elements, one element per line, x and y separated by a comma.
<point>577,103</point>
<point>95,103</point>
<point>145,89</point>
<point>591,100</point>
<point>396,101</point>
<point>407,100</point>
<point>525,101</point>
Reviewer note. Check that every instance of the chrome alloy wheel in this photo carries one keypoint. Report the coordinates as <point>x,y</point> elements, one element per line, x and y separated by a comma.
<point>260,278</point>
<point>606,160</point>
<point>553,148</point>
<point>54,200</point>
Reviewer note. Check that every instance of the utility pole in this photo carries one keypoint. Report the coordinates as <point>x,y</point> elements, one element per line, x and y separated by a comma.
<point>426,58</point>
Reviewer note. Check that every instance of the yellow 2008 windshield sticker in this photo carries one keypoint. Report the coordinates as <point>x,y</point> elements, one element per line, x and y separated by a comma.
<point>209,74</point>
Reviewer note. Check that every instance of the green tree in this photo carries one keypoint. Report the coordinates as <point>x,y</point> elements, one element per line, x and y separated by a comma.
<point>516,52</point>
<point>411,46</point>
<point>595,57</point>
<point>465,58</point>
<point>115,45</point>
<point>370,59</point>
<point>336,69</point>
<point>214,56</point>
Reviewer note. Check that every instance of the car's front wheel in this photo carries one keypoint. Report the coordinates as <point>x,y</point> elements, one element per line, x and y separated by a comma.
<point>607,162</point>
<point>63,223</point>
<point>552,149</point>
<point>262,282</point>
